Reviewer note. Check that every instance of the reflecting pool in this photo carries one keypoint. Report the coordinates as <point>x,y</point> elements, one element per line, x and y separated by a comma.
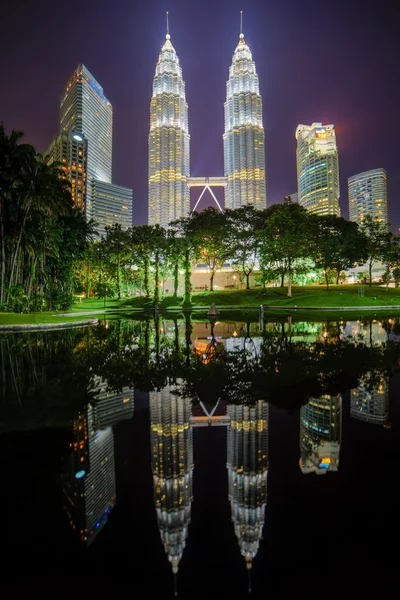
<point>189,458</point>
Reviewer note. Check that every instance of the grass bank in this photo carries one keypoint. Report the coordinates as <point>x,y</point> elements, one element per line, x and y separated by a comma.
<point>302,297</point>
<point>239,303</point>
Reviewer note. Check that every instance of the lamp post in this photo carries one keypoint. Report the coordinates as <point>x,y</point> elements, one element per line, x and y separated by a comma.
<point>234,281</point>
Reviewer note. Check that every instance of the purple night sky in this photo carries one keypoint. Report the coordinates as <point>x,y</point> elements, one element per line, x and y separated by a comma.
<point>317,61</point>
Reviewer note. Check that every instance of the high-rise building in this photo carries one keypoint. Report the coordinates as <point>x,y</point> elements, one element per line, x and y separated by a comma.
<point>70,149</point>
<point>86,111</point>
<point>169,139</point>
<point>172,465</point>
<point>247,453</point>
<point>110,204</point>
<point>89,480</point>
<point>244,146</point>
<point>318,169</point>
<point>369,401</point>
<point>112,407</point>
<point>368,196</point>
<point>320,434</point>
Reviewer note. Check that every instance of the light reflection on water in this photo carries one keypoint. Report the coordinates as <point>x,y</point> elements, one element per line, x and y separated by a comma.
<point>199,375</point>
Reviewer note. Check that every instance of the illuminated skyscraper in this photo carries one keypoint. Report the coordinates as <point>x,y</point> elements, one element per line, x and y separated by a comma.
<point>86,111</point>
<point>247,473</point>
<point>369,401</point>
<point>320,434</point>
<point>244,148</point>
<point>318,169</point>
<point>169,139</point>
<point>172,465</point>
<point>110,204</point>
<point>70,149</point>
<point>89,485</point>
<point>368,196</point>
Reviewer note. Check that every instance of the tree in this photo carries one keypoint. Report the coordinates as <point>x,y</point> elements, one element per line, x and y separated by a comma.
<point>187,249</point>
<point>377,241</point>
<point>391,256</point>
<point>242,239</point>
<point>337,244</point>
<point>140,237</point>
<point>285,239</point>
<point>118,249</point>
<point>209,231</point>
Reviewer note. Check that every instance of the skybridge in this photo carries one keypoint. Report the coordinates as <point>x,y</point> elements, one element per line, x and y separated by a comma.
<point>207,183</point>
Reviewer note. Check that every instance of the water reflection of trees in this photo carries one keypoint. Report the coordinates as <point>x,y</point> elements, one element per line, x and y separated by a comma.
<point>57,373</point>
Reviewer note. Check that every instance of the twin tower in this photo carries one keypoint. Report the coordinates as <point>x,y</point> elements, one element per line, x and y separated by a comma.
<point>169,139</point>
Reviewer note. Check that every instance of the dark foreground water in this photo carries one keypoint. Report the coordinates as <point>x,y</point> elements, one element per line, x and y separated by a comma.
<point>152,459</point>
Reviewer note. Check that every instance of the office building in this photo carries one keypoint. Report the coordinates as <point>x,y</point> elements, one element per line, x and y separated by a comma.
<point>247,463</point>
<point>368,196</point>
<point>169,140</point>
<point>111,407</point>
<point>318,169</point>
<point>87,112</point>
<point>89,478</point>
<point>70,149</point>
<point>172,466</point>
<point>111,204</point>
<point>243,138</point>
<point>369,401</point>
<point>320,434</point>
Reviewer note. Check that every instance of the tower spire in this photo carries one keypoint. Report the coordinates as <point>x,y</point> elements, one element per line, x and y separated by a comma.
<point>241,23</point>
<point>167,25</point>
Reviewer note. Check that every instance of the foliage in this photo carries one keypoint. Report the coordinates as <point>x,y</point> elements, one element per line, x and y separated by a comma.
<point>42,236</point>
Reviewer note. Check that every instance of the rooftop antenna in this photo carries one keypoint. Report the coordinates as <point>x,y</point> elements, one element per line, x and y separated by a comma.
<point>167,23</point>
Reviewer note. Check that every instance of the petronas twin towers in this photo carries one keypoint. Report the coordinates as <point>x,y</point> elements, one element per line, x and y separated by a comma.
<point>169,139</point>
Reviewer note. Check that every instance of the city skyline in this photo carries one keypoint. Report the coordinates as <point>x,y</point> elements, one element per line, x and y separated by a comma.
<point>293,91</point>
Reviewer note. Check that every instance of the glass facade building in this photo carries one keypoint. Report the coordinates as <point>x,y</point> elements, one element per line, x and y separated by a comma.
<point>320,434</point>
<point>169,142</point>
<point>89,480</point>
<point>86,111</point>
<point>318,169</point>
<point>70,149</point>
<point>368,196</point>
<point>369,401</point>
<point>247,454</point>
<point>111,204</point>
<point>244,144</point>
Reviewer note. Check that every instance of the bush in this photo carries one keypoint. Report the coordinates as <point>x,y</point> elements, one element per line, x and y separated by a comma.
<point>17,300</point>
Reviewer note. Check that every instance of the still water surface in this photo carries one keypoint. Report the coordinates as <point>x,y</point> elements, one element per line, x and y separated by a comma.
<point>183,457</point>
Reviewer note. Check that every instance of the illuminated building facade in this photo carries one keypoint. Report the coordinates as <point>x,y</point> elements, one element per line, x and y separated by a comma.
<point>86,111</point>
<point>244,146</point>
<point>247,452</point>
<point>368,196</point>
<point>318,169</point>
<point>89,482</point>
<point>169,140</point>
<point>172,465</point>
<point>112,407</point>
<point>111,204</point>
<point>369,401</point>
<point>320,434</point>
<point>70,149</point>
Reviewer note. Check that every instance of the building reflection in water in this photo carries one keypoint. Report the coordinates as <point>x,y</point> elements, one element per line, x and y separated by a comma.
<point>247,454</point>
<point>89,476</point>
<point>320,434</point>
<point>369,401</point>
<point>172,465</point>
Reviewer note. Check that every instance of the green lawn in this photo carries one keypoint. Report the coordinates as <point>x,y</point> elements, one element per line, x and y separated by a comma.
<point>37,318</point>
<point>302,296</point>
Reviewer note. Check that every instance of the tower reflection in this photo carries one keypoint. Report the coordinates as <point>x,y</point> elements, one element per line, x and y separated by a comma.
<point>247,454</point>
<point>172,465</point>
